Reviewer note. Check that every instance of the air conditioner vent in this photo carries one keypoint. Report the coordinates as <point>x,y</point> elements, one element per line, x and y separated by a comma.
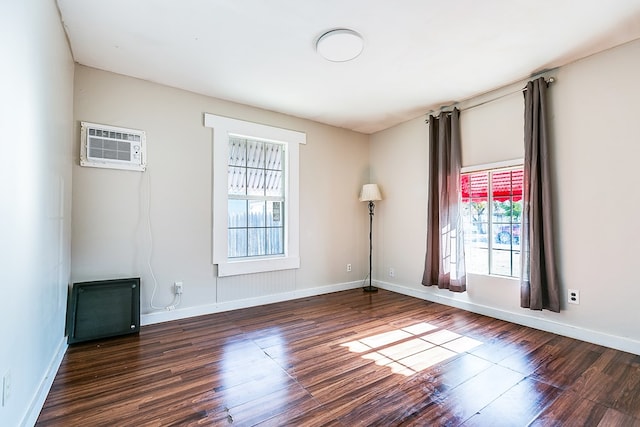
<point>112,147</point>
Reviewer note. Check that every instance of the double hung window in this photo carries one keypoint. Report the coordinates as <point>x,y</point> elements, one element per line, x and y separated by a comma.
<point>255,196</point>
<point>492,209</point>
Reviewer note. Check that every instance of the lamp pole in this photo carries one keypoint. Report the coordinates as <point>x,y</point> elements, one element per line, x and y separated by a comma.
<point>370,288</point>
<point>369,193</point>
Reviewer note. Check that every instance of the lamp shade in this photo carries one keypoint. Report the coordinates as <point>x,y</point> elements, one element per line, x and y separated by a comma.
<point>370,192</point>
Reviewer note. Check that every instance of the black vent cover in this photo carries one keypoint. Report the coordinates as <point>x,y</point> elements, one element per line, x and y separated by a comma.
<point>102,309</point>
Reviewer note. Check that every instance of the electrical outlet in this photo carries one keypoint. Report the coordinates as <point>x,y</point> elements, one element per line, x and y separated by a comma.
<point>574,296</point>
<point>392,272</point>
<point>6,387</point>
<point>177,286</point>
<point>348,267</point>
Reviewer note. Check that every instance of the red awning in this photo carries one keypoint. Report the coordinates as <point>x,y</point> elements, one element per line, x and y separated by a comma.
<point>505,185</point>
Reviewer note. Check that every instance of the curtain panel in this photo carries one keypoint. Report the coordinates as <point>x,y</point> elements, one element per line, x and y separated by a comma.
<point>539,284</point>
<point>444,260</point>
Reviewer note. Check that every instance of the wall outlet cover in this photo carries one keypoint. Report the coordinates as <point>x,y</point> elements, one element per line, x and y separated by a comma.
<point>573,296</point>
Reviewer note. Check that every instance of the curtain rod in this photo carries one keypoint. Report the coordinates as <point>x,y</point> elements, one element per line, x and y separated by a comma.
<point>549,81</point>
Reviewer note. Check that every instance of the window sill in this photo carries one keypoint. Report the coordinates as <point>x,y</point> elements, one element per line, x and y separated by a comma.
<point>494,276</point>
<point>261,265</point>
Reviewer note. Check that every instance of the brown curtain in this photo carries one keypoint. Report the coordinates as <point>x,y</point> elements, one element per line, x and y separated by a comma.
<point>539,285</point>
<point>444,261</point>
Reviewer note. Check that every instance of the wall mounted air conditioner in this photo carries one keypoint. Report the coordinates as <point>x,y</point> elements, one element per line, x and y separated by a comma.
<point>103,146</point>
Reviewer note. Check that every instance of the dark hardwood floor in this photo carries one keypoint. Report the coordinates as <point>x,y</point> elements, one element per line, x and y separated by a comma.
<point>344,359</point>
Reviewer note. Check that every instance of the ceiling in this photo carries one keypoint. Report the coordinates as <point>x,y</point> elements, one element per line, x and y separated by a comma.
<point>418,54</point>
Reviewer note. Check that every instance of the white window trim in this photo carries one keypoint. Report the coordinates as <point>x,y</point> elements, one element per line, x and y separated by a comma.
<point>222,127</point>
<point>490,166</point>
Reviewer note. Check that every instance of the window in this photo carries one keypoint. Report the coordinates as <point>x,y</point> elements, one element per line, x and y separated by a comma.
<point>491,209</point>
<point>255,196</point>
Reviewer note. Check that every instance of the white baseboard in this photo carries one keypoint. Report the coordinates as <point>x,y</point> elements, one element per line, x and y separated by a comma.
<point>588,335</point>
<point>38,400</point>
<point>168,315</point>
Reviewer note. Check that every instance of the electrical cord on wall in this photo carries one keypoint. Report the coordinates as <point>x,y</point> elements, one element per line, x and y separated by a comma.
<point>177,298</point>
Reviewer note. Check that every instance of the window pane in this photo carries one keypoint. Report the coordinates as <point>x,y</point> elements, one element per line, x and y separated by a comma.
<point>476,236</point>
<point>465,186</point>
<point>507,212</point>
<point>273,156</point>
<point>477,260</point>
<point>255,182</point>
<point>275,213</point>
<point>465,210</point>
<point>237,213</point>
<point>256,213</point>
<point>479,185</point>
<point>237,181</point>
<point>237,242</point>
<point>256,241</point>
<point>516,182</point>
<point>255,154</point>
<point>237,152</point>
<point>501,262</point>
<point>502,236</point>
<point>501,212</point>
<point>274,184</point>
<point>516,264</point>
<point>516,212</point>
<point>501,186</point>
<point>515,237</point>
<point>275,239</point>
<point>479,211</point>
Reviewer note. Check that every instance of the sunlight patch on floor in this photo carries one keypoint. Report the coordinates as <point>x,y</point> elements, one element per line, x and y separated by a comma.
<point>386,338</point>
<point>412,349</point>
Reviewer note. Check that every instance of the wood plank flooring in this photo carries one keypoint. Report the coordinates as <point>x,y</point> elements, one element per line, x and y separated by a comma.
<point>344,359</point>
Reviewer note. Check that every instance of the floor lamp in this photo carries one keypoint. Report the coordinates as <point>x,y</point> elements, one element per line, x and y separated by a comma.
<point>370,193</point>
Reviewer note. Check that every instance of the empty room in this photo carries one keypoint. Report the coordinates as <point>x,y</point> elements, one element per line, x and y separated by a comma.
<point>315,213</point>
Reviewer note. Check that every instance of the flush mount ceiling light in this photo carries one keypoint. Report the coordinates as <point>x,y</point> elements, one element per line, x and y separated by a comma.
<point>340,45</point>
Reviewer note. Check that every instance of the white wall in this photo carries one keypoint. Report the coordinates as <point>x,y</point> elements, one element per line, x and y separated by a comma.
<point>110,207</point>
<point>595,129</point>
<point>35,189</point>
